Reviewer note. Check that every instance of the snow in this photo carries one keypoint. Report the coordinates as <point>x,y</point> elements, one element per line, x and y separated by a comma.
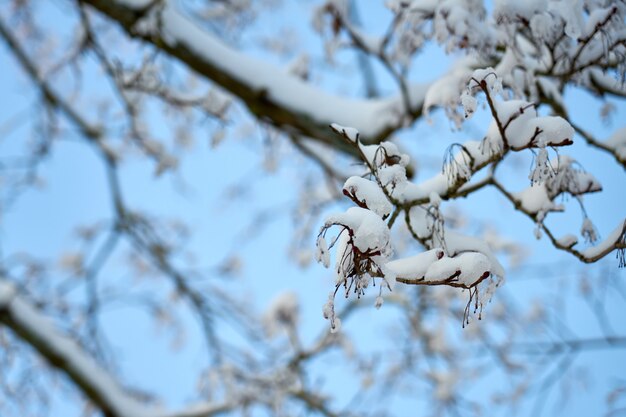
<point>521,110</point>
<point>435,199</point>
<point>554,129</point>
<point>378,155</point>
<point>511,10</point>
<point>543,26</point>
<point>568,178</point>
<point>414,267</point>
<point>345,258</point>
<point>458,243</point>
<point>468,267</point>
<point>328,307</point>
<point>571,12</point>
<point>390,277</point>
<point>454,243</point>
<point>371,116</point>
<point>76,362</point>
<point>469,104</point>
<point>595,78</point>
<point>370,43</point>
<point>615,236</point>
<point>524,125</point>
<point>437,184</point>
<point>368,193</point>
<point>460,167</point>
<point>445,91</point>
<point>349,133</point>
<point>489,77</point>
<point>322,254</point>
<point>535,199</point>
<point>568,240</point>
<point>595,18</point>
<point>369,231</point>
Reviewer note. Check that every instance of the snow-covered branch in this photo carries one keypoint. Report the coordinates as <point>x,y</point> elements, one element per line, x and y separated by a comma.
<point>65,354</point>
<point>62,352</point>
<point>363,244</point>
<point>267,90</point>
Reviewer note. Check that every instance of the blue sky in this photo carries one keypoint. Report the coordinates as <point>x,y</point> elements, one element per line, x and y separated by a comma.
<point>42,222</point>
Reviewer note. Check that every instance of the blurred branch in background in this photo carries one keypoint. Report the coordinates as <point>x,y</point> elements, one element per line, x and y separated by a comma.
<point>172,142</point>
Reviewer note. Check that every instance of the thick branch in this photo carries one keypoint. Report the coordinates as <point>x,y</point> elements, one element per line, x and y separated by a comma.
<point>269,92</point>
<point>63,353</point>
<point>34,328</point>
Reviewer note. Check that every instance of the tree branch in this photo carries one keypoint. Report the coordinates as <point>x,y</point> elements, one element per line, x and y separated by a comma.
<point>65,354</point>
<point>269,92</point>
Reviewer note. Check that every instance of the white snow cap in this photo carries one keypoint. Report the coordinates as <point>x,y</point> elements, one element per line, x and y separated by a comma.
<point>367,193</point>
<point>414,267</point>
<point>369,231</point>
<point>349,133</point>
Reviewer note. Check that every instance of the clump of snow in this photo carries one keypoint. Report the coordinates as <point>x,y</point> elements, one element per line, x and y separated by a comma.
<point>322,254</point>
<point>467,268</point>
<point>567,241</point>
<point>457,243</point>
<point>389,276</point>
<point>446,90</point>
<point>618,235</point>
<point>368,232</point>
<point>386,153</point>
<point>367,194</point>
<point>469,104</point>
<point>414,267</point>
<point>489,78</point>
<point>349,133</point>
<point>536,200</point>
<point>328,311</point>
<point>572,14</point>
<point>523,128</point>
<point>553,129</point>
